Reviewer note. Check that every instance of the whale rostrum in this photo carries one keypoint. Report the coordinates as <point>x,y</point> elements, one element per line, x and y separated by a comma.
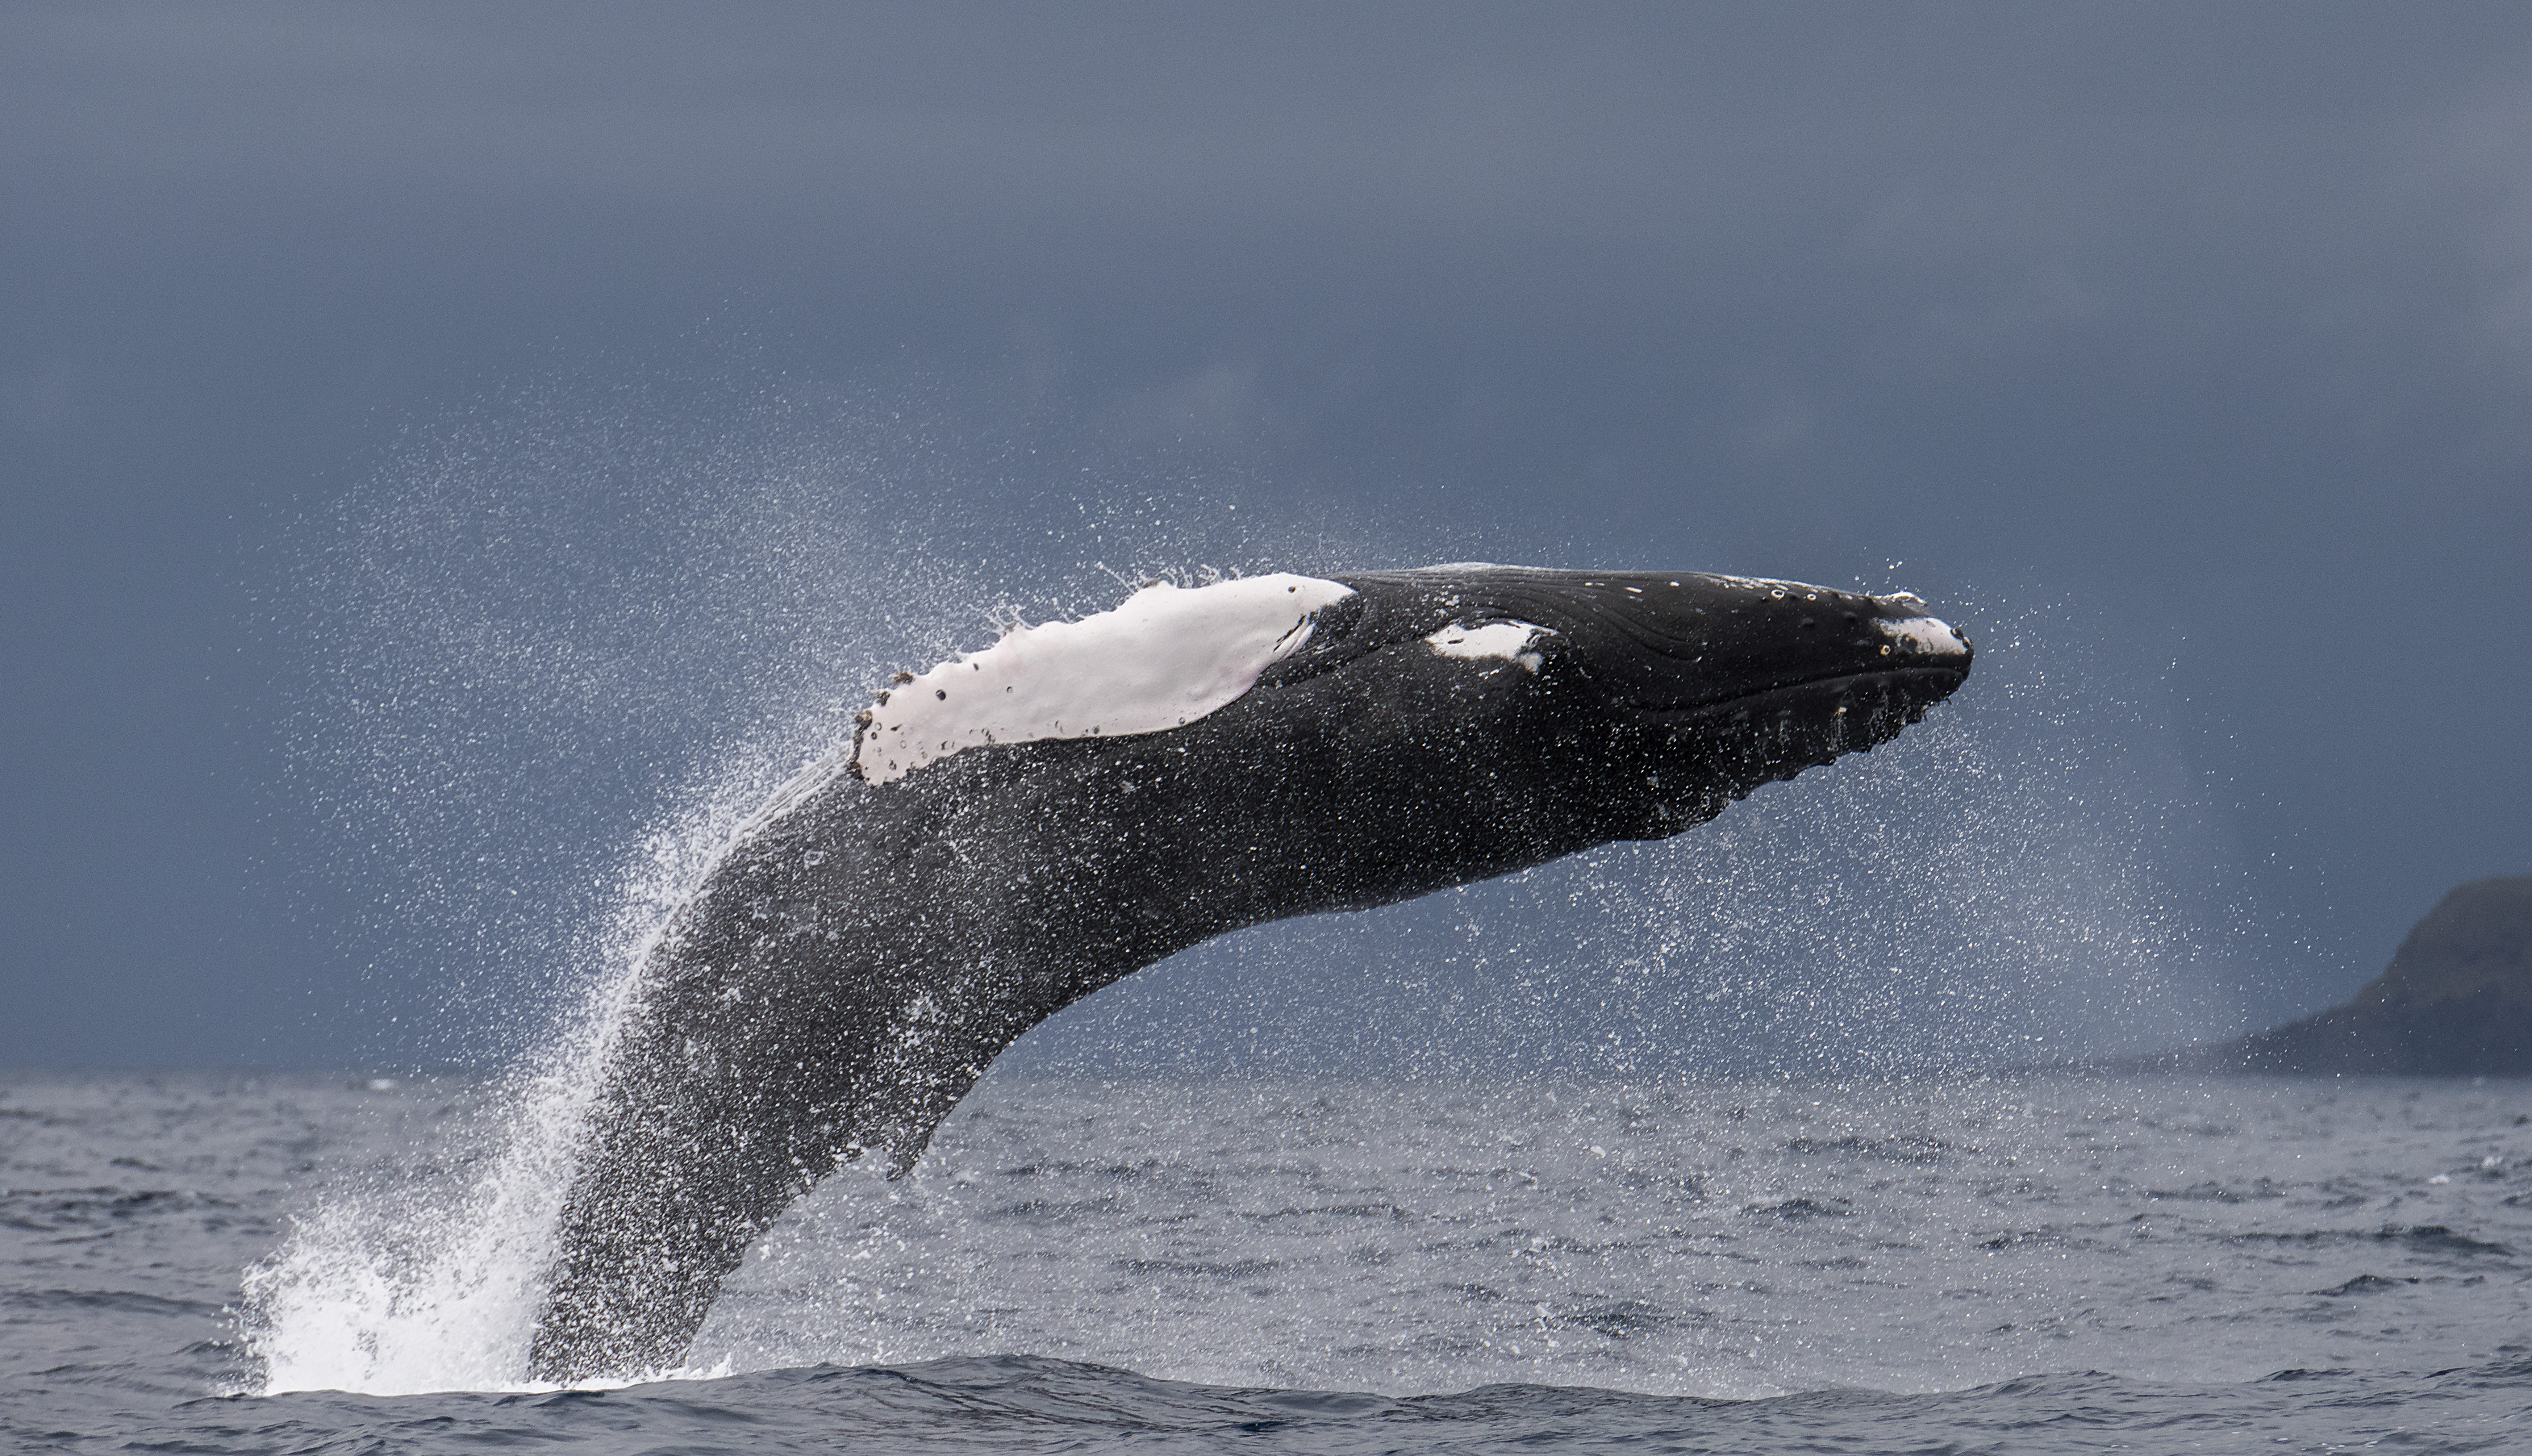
<point>1026,824</point>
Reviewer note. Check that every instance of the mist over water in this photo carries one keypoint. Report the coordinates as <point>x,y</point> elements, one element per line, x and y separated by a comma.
<point>564,648</point>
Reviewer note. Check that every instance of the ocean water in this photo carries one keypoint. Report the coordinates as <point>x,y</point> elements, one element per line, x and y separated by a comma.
<point>2040,1264</point>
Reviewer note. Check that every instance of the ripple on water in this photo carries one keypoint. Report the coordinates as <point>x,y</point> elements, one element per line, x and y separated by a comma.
<point>1898,1265</point>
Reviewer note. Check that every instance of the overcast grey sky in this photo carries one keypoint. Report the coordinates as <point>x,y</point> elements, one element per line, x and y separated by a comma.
<point>440,439</point>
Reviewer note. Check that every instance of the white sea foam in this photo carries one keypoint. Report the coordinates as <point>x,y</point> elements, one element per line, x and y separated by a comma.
<point>395,1293</point>
<point>400,1286</point>
<point>399,1290</point>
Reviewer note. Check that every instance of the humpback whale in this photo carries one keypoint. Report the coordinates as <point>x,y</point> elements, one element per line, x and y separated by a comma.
<point>1020,826</point>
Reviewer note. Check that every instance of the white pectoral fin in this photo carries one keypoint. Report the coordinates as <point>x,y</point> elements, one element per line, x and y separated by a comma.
<point>1163,658</point>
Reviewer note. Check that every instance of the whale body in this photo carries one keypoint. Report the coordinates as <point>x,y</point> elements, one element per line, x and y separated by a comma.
<point>1020,826</point>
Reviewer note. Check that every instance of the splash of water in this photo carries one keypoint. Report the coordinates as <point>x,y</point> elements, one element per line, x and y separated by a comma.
<point>379,1292</point>
<point>662,608</point>
<point>405,1284</point>
<point>476,598</point>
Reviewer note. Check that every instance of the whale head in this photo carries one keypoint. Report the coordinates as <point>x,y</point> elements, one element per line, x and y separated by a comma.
<point>1659,697</point>
<point>1520,712</point>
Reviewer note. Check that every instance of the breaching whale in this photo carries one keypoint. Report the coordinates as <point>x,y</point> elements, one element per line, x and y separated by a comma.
<point>1020,826</point>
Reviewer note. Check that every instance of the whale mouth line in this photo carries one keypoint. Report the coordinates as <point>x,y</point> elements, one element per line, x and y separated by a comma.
<point>1931,674</point>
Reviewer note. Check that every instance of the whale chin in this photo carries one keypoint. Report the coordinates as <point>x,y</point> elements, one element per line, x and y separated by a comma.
<point>1720,753</point>
<point>1827,717</point>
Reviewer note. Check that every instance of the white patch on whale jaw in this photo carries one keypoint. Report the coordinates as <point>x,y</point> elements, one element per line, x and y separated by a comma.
<point>1512,641</point>
<point>1922,637</point>
<point>1162,659</point>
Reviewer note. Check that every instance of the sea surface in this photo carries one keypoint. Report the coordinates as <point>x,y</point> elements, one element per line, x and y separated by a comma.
<point>2022,1264</point>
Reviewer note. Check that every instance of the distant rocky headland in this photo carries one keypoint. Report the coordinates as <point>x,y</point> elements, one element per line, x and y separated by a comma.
<point>2455,1001</point>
